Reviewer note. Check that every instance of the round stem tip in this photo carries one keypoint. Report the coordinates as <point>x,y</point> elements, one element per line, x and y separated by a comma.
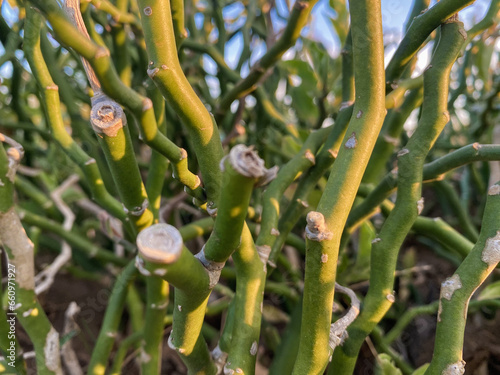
<point>107,117</point>
<point>160,243</point>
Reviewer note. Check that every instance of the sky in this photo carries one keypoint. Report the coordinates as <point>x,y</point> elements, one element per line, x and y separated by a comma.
<point>394,14</point>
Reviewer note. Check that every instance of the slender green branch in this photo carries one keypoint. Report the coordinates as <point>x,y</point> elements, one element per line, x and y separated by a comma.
<point>308,181</point>
<point>458,209</point>
<point>287,174</point>
<point>50,98</point>
<point>348,94</point>
<point>165,70</point>
<point>158,163</point>
<point>324,227</point>
<point>72,238</point>
<point>431,171</point>
<point>409,203</point>
<point>111,321</point>
<point>141,107</point>
<point>420,28</point>
<point>180,32</point>
<point>22,300</point>
<point>250,263</point>
<point>389,136</point>
<point>121,352</point>
<point>457,290</point>
<point>157,300</point>
<point>297,20</point>
<point>118,15</point>
<point>491,18</point>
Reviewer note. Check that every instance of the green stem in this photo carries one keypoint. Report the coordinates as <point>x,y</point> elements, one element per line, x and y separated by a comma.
<point>325,226</point>
<point>431,171</point>
<point>72,238</point>
<point>419,30</point>
<point>158,163</point>
<point>121,352</point>
<point>166,72</point>
<point>297,20</point>
<point>111,321</point>
<point>139,106</point>
<point>324,161</point>
<point>50,99</point>
<point>409,315</point>
<point>157,301</point>
<point>303,160</point>
<point>457,290</point>
<point>22,300</point>
<point>117,14</point>
<point>458,209</point>
<point>409,203</point>
<point>250,280</point>
<point>180,31</point>
<point>389,136</point>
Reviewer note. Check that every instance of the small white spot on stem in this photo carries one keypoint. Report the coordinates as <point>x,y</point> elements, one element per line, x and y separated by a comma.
<point>324,258</point>
<point>146,104</point>
<point>264,251</point>
<point>352,141</point>
<point>148,11</point>
<point>462,32</point>
<point>183,154</point>
<point>457,368</point>
<point>390,297</point>
<point>333,153</point>
<point>420,205</point>
<point>359,114</point>
<point>376,239</point>
<point>393,141</point>
<point>449,286</point>
<point>145,357</point>
<point>303,203</point>
<point>179,307</point>
<point>394,172</point>
<point>102,52</point>
<point>491,252</point>
<point>152,72</point>
<point>494,190</point>
<point>275,232</point>
<point>160,272</point>
<point>253,349</point>
<point>402,152</point>
<point>344,105</point>
<point>310,156</point>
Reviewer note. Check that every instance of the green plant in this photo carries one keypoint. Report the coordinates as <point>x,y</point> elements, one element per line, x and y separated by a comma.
<point>110,97</point>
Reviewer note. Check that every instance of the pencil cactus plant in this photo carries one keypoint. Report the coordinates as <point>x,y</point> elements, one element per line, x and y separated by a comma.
<point>257,212</point>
